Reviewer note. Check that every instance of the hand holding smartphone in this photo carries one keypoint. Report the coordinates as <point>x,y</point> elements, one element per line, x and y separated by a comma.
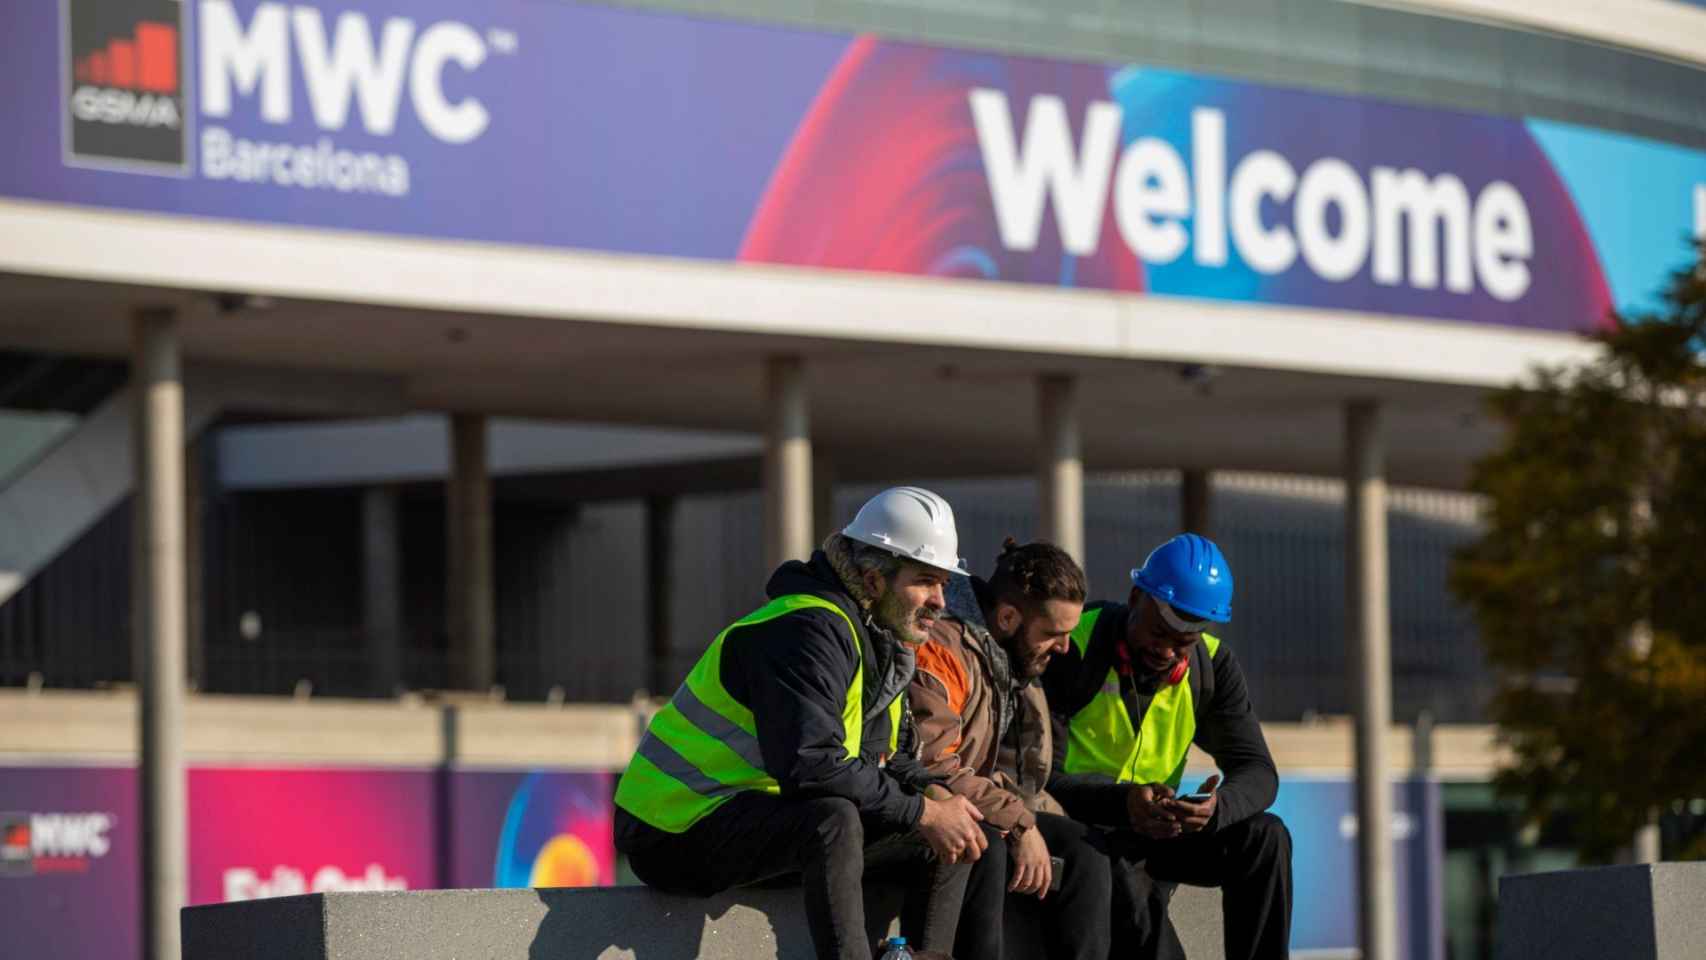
<point>1196,809</point>
<point>1202,793</point>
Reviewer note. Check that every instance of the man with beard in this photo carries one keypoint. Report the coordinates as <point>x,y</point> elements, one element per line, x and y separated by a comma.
<point>1140,683</point>
<point>983,725</point>
<point>771,759</point>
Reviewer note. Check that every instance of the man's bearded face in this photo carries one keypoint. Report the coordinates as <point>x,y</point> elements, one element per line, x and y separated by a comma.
<point>911,602</point>
<point>1034,637</point>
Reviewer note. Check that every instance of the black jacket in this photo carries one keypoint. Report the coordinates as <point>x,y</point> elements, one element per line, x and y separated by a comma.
<point>1227,727</point>
<point>793,673</point>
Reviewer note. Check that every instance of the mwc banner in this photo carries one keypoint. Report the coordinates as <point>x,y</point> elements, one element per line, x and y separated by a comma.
<point>257,832</point>
<point>275,832</point>
<point>69,855</point>
<point>69,845</point>
<point>543,123</point>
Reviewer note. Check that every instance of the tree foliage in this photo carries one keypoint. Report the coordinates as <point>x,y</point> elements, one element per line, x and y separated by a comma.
<point>1589,581</point>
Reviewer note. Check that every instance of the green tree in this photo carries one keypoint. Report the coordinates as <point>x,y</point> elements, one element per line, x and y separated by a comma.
<point>1589,582</point>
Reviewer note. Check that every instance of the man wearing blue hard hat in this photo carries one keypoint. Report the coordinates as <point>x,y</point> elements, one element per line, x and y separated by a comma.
<point>1141,682</point>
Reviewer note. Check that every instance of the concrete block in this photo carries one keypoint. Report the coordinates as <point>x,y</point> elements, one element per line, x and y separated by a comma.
<point>1196,916</point>
<point>1644,912</point>
<point>618,923</point>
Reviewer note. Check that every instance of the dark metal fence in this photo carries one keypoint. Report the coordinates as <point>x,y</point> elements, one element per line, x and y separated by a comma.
<point>281,610</point>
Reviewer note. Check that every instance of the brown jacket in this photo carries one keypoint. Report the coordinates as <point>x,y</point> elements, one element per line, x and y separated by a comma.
<point>957,711</point>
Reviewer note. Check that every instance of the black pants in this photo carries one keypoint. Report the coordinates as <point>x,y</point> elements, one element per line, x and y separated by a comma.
<point>756,836</point>
<point>1074,918</point>
<point>1250,861</point>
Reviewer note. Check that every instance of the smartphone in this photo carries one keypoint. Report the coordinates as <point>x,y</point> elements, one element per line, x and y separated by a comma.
<point>1057,866</point>
<point>1193,797</point>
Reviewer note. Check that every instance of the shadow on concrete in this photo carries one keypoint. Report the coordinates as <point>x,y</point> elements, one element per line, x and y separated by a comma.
<point>615,924</point>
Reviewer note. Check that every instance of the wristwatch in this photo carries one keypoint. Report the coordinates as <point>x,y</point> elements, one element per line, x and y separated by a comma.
<point>1016,831</point>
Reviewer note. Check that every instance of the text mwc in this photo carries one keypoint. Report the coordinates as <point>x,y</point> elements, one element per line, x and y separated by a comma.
<point>348,66</point>
<point>1488,239</point>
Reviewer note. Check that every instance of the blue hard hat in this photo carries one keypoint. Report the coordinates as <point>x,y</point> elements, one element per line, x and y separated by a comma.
<point>1188,574</point>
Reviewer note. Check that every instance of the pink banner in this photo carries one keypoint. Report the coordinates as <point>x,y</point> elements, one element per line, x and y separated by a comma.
<point>277,832</point>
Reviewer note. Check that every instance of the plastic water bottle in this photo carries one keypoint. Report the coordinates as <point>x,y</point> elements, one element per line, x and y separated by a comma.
<point>896,949</point>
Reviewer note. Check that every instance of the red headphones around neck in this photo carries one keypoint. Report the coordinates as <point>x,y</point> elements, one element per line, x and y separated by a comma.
<point>1174,677</point>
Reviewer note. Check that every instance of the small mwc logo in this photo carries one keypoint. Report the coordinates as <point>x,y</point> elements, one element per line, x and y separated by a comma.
<point>37,843</point>
<point>124,88</point>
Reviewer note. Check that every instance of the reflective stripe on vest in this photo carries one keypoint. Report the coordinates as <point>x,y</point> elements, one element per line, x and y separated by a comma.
<point>1100,738</point>
<point>702,747</point>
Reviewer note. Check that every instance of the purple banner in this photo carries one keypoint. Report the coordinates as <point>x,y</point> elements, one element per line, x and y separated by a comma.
<point>68,863</point>
<point>69,841</point>
<point>532,829</point>
<point>555,125</point>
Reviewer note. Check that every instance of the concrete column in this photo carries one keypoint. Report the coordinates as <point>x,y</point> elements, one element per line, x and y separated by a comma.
<point>824,520</point>
<point>158,627</point>
<point>787,463</point>
<point>1060,465</point>
<point>1368,628</point>
<point>660,556</point>
<point>382,590</point>
<point>468,567</point>
<point>195,637</point>
<point>1195,501</point>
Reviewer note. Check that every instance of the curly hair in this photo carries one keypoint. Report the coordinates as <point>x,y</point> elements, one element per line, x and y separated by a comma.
<point>850,559</point>
<point>1031,575</point>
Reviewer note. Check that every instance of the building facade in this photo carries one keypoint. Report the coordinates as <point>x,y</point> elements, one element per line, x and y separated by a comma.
<point>357,347</point>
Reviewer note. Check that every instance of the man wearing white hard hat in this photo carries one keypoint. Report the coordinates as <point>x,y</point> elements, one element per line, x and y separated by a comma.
<point>772,758</point>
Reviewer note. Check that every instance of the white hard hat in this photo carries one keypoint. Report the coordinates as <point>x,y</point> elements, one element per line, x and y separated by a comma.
<point>913,523</point>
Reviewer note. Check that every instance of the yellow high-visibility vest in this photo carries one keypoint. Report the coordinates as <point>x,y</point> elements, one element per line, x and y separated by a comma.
<point>702,747</point>
<point>1102,739</point>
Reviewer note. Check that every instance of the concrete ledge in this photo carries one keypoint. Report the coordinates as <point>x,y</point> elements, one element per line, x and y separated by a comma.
<point>54,725</point>
<point>618,923</point>
<point>51,726</point>
<point>1646,912</point>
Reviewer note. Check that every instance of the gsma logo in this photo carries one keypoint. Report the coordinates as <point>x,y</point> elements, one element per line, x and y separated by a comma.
<point>123,76</point>
<point>17,855</point>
